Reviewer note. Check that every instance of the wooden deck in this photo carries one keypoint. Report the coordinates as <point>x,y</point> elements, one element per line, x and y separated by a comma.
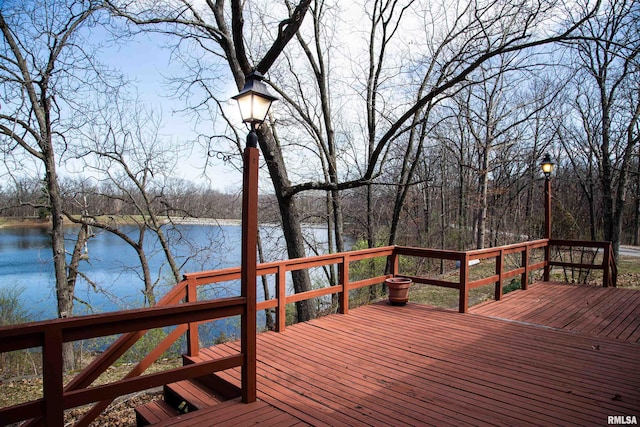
<point>590,310</point>
<point>418,365</point>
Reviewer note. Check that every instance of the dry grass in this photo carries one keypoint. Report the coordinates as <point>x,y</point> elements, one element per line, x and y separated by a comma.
<point>119,413</point>
<point>629,272</point>
<point>628,277</point>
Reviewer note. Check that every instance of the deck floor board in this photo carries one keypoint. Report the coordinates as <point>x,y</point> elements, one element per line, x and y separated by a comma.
<point>590,310</point>
<point>419,365</point>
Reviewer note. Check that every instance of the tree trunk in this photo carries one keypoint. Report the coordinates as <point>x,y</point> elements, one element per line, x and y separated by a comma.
<point>338,221</point>
<point>443,220</point>
<point>149,288</point>
<point>426,211</point>
<point>64,289</point>
<point>621,193</point>
<point>291,227</point>
<point>483,189</point>
<point>332,232</point>
<point>407,173</point>
<point>462,204</point>
<point>592,207</point>
<point>269,321</point>
<point>636,220</point>
<point>371,241</point>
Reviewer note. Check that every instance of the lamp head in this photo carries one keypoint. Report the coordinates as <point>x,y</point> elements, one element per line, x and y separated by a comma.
<point>547,165</point>
<point>254,99</point>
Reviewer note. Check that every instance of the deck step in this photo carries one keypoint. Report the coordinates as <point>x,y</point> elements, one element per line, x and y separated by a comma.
<point>220,387</point>
<point>154,412</point>
<point>191,395</point>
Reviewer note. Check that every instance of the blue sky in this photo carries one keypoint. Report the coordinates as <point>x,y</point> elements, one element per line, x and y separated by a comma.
<point>146,63</point>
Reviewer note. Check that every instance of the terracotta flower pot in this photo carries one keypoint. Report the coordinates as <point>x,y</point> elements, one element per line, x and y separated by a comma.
<point>398,290</point>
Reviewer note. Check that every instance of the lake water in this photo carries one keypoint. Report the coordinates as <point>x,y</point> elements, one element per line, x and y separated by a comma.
<point>25,263</point>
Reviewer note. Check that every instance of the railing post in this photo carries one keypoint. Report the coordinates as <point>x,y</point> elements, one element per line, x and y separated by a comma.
<point>52,377</point>
<point>393,261</point>
<point>281,292</point>
<point>547,258</point>
<point>524,279</point>
<point>613,269</point>
<point>343,272</point>
<point>464,284</point>
<point>499,272</point>
<point>193,339</point>
<point>606,266</point>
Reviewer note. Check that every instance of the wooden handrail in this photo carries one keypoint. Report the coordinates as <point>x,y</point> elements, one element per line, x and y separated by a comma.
<point>50,335</point>
<point>133,324</point>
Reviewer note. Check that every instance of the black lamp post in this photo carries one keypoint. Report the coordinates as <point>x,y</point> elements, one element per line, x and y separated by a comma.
<point>254,101</point>
<point>547,167</point>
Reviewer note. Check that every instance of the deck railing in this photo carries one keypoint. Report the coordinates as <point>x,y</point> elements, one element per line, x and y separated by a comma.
<point>180,308</point>
<point>608,264</point>
<point>51,335</point>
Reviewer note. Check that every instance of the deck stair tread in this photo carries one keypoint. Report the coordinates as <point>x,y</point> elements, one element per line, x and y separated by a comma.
<point>188,396</point>
<point>234,413</point>
<point>185,397</point>
<point>222,388</point>
<point>154,412</point>
<point>193,392</point>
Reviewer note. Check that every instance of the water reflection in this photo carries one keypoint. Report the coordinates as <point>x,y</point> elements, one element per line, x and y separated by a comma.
<point>113,266</point>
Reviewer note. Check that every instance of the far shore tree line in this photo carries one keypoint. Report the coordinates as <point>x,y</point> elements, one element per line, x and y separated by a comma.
<point>412,122</point>
<point>432,215</point>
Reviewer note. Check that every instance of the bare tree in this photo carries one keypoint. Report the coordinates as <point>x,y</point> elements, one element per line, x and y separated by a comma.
<point>126,153</point>
<point>497,112</point>
<point>480,33</point>
<point>608,102</point>
<point>219,30</point>
<point>458,38</point>
<point>47,70</point>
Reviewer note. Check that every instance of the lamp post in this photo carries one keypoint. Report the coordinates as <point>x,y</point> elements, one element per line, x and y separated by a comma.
<point>547,167</point>
<point>254,101</point>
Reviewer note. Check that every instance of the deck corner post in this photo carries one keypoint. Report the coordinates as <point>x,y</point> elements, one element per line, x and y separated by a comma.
<point>547,259</point>
<point>248,273</point>
<point>464,284</point>
<point>393,263</point>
